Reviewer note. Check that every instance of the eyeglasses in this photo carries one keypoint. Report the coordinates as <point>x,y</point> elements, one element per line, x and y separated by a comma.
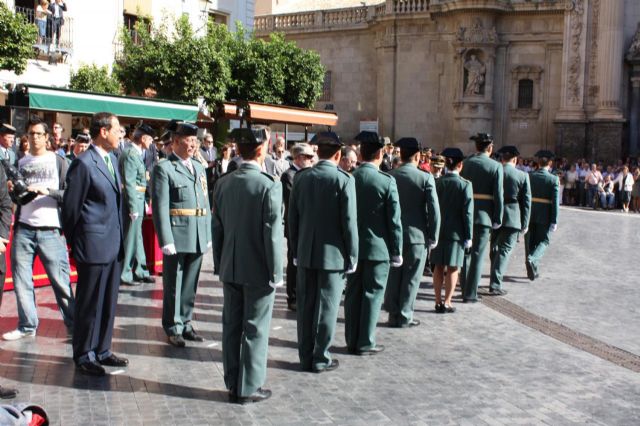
<point>36,134</point>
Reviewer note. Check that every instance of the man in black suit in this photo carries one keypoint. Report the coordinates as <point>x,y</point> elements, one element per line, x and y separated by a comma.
<point>5,224</point>
<point>56,18</point>
<point>302,154</point>
<point>92,223</point>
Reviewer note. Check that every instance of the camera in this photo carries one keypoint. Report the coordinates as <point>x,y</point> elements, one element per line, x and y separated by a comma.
<point>19,194</point>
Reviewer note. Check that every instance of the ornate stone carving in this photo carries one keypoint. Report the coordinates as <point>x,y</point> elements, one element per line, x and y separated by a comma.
<point>594,89</point>
<point>634,49</point>
<point>477,34</point>
<point>386,37</point>
<point>574,91</point>
<point>474,76</point>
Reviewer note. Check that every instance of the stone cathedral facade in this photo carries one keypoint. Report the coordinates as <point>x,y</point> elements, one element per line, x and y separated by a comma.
<point>554,74</point>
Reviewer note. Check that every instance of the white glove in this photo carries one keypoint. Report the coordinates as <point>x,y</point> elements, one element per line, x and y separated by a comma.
<point>468,244</point>
<point>554,227</point>
<point>295,261</point>
<point>169,249</point>
<point>134,216</point>
<point>524,231</point>
<point>433,244</point>
<point>278,284</point>
<point>496,226</point>
<point>209,244</point>
<point>396,261</point>
<point>352,268</point>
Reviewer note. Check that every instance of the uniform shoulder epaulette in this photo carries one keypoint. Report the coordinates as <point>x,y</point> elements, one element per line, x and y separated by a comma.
<point>273,178</point>
<point>385,174</point>
<point>344,173</point>
<point>464,180</point>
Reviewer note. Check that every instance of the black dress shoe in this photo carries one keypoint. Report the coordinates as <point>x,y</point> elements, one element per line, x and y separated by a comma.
<point>91,369</point>
<point>530,274</point>
<point>233,396</point>
<point>192,335</point>
<point>352,351</point>
<point>449,309</point>
<point>177,341</point>
<point>412,323</point>
<point>148,280</point>
<point>440,308</point>
<point>130,283</point>
<point>114,361</point>
<point>334,364</point>
<point>257,396</point>
<point>292,306</point>
<point>8,393</point>
<point>372,351</point>
<point>497,292</point>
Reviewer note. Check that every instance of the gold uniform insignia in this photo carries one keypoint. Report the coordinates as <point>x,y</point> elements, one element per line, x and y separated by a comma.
<point>203,181</point>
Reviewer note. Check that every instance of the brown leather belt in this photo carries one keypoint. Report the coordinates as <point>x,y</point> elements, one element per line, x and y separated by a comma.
<point>188,212</point>
<point>483,197</point>
<point>541,200</point>
<point>141,188</point>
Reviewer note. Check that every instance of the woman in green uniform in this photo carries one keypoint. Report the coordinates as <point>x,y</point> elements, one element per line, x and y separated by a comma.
<point>456,231</point>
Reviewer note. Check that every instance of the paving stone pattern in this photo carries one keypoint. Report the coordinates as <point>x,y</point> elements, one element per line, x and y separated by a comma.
<point>475,367</point>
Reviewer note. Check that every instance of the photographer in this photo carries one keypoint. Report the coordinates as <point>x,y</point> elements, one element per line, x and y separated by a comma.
<point>37,231</point>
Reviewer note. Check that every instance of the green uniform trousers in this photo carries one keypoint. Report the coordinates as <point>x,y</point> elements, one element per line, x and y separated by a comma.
<point>473,262</point>
<point>536,242</point>
<point>362,303</point>
<point>134,265</point>
<point>503,242</point>
<point>180,273</point>
<point>246,319</point>
<point>404,283</point>
<point>318,294</point>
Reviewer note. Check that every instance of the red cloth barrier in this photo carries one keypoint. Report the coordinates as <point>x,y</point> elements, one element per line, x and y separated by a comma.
<point>151,248</point>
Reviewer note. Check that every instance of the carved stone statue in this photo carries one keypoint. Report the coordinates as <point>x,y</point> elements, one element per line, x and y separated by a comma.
<point>634,49</point>
<point>475,72</point>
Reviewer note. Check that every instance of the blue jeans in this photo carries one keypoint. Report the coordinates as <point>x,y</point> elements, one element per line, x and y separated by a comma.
<point>593,192</point>
<point>51,247</point>
<point>607,200</point>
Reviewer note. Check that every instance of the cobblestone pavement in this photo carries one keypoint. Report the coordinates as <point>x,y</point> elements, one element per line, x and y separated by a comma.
<point>474,367</point>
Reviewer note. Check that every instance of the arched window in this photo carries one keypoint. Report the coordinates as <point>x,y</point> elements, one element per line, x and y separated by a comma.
<point>525,94</point>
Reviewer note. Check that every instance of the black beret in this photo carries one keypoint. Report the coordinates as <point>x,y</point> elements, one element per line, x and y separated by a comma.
<point>454,153</point>
<point>510,150</point>
<point>408,143</point>
<point>326,138</point>
<point>7,129</point>
<point>545,154</point>
<point>484,139</point>
<point>146,129</point>
<point>187,129</point>
<point>244,137</point>
<point>369,138</point>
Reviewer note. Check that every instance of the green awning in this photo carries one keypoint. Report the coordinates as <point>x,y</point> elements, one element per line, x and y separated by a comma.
<point>70,101</point>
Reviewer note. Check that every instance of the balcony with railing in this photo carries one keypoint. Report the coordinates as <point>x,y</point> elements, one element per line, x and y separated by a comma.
<point>57,44</point>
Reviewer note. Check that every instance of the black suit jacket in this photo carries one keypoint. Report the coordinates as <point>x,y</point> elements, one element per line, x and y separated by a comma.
<point>52,9</point>
<point>92,209</point>
<point>287,186</point>
<point>5,216</point>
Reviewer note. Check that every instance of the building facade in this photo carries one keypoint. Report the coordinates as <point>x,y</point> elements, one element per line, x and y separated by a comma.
<point>539,74</point>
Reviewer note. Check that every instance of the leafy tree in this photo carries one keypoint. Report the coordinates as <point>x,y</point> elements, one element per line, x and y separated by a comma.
<point>91,78</point>
<point>17,37</point>
<point>177,65</point>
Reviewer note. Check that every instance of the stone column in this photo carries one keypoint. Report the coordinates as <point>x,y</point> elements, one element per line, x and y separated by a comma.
<point>610,59</point>
<point>634,115</point>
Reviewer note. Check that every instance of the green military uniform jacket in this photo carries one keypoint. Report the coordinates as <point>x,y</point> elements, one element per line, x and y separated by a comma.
<point>239,222</point>
<point>175,187</point>
<point>455,195</point>
<point>545,203</point>
<point>326,195</point>
<point>379,226</point>
<point>134,177</point>
<point>420,211</point>
<point>517,198</point>
<point>486,175</point>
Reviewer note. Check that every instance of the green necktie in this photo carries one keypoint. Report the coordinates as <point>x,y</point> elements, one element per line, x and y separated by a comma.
<point>107,160</point>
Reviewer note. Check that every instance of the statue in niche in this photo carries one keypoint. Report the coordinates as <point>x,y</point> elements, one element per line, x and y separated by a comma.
<point>474,76</point>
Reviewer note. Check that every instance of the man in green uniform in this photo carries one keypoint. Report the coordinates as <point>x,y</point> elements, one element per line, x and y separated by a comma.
<point>420,229</point>
<point>380,236</point>
<point>517,207</point>
<point>486,176</point>
<point>182,219</point>
<point>134,178</point>
<point>248,241</point>
<point>323,234</point>
<point>545,204</point>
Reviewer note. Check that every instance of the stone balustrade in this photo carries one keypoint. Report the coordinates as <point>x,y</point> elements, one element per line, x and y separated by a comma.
<point>410,6</point>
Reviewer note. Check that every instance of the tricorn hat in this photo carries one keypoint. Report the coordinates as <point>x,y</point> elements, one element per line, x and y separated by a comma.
<point>366,137</point>
<point>326,138</point>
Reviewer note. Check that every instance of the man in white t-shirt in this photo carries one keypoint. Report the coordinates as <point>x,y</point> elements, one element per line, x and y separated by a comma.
<point>37,230</point>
